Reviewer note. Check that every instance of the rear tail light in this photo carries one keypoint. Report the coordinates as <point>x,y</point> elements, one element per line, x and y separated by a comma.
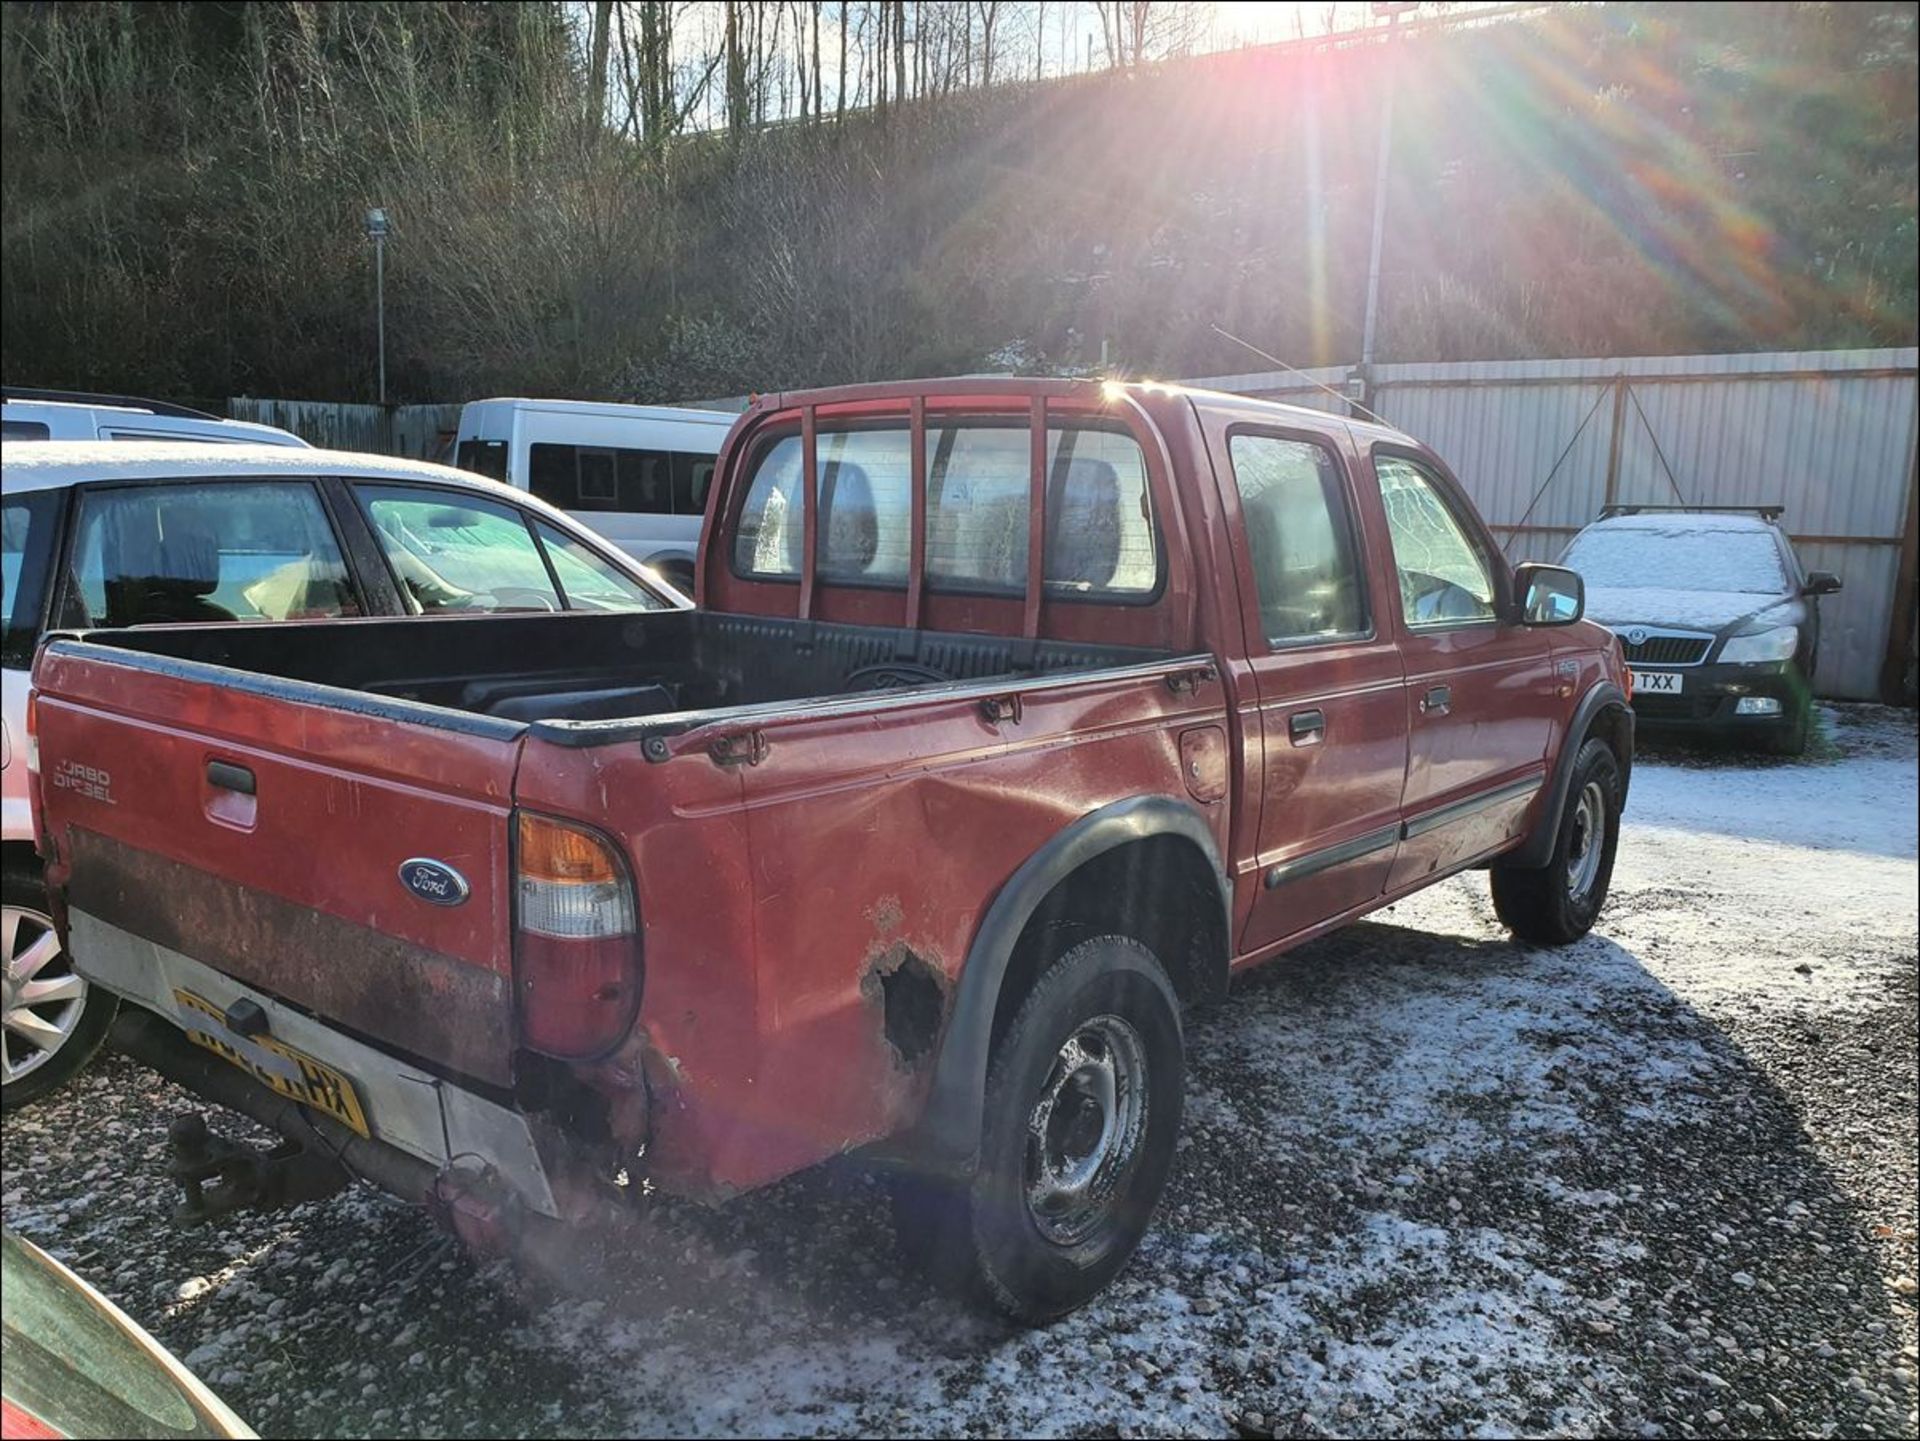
<point>36,805</point>
<point>577,939</point>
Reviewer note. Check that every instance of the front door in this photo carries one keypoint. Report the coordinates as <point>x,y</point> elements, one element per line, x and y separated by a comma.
<point>1332,734</point>
<point>1480,689</point>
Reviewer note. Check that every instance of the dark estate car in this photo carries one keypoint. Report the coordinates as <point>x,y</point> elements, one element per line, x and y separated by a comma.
<point>1719,622</point>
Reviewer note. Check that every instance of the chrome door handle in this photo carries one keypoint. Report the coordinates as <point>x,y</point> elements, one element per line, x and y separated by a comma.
<point>1437,701</point>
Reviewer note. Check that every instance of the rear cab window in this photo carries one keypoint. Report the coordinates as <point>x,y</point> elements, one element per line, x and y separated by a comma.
<point>183,552</point>
<point>1101,537</point>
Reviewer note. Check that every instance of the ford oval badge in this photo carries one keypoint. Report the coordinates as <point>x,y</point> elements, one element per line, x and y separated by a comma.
<point>433,881</point>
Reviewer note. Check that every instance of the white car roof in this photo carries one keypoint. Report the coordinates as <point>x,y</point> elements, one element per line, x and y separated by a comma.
<point>29,408</point>
<point>607,407</point>
<point>56,464</point>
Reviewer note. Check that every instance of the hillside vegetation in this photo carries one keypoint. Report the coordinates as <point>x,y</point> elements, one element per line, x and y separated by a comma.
<point>184,184</point>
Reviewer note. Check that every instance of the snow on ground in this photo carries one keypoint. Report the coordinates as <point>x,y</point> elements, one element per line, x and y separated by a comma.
<point>1658,1183</point>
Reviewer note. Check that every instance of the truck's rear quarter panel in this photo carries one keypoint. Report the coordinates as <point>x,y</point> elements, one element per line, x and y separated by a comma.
<point>782,901</point>
<point>296,888</point>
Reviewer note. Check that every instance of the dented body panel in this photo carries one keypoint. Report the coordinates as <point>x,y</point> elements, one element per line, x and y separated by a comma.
<point>831,885</point>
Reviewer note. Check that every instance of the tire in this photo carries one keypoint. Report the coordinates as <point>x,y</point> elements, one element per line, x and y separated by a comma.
<point>1789,739</point>
<point>1557,903</point>
<point>68,1023</point>
<point>1013,1238</point>
<point>678,574</point>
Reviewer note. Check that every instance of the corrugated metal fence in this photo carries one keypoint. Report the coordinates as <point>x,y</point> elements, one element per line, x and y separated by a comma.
<point>1542,445</point>
<point>411,430</point>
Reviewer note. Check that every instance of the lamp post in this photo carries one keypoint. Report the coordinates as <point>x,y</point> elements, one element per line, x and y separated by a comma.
<point>377,232</point>
<point>1393,10</point>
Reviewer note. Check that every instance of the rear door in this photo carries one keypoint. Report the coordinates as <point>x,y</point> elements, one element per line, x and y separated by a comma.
<point>1481,696</point>
<point>1332,726</point>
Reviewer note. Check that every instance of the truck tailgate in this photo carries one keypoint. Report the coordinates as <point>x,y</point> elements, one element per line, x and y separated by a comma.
<point>262,826</point>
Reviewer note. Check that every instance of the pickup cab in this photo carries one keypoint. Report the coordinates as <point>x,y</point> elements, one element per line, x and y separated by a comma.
<point>1017,716</point>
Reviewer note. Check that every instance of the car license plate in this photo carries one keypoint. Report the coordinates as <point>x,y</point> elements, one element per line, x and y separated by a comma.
<point>275,1064</point>
<point>1658,682</point>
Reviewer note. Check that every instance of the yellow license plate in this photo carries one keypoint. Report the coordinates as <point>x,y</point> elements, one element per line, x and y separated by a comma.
<point>276,1065</point>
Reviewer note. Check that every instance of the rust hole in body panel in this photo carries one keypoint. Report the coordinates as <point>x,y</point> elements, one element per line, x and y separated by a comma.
<point>912,996</point>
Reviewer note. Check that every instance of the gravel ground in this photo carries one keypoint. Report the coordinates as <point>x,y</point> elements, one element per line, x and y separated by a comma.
<point>1661,1183</point>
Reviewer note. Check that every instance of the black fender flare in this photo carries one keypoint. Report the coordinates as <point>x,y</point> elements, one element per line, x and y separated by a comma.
<point>948,1135</point>
<point>1537,849</point>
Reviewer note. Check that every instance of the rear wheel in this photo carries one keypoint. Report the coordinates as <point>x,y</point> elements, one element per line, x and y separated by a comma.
<point>1083,1103</point>
<point>53,1021</point>
<point>1557,903</point>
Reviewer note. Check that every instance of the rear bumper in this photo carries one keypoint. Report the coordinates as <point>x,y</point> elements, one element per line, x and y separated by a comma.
<point>421,1116</point>
<point>1712,695</point>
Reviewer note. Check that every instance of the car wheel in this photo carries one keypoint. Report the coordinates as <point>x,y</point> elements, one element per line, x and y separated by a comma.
<point>1557,903</point>
<point>53,1021</point>
<point>1083,1102</point>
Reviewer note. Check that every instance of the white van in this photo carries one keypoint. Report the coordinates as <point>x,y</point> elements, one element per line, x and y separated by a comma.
<point>78,415</point>
<point>638,474</point>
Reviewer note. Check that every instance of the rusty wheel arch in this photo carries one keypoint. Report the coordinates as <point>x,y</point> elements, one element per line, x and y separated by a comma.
<point>1144,864</point>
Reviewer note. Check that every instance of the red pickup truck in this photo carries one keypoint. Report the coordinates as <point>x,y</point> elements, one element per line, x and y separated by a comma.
<point>1016,716</point>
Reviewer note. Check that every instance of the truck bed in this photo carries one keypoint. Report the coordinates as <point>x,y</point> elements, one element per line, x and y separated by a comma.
<point>572,673</point>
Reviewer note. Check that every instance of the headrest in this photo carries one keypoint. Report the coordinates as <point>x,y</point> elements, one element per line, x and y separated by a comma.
<point>852,535</point>
<point>1083,524</point>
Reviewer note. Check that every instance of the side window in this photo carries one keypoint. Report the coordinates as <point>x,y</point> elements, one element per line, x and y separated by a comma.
<point>1444,578</point>
<point>1100,534</point>
<point>622,478</point>
<point>692,475</point>
<point>24,430</point>
<point>591,581</point>
<point>453,552</point>
<point>1300,537</point>
<point>28,522</point>
<point>483,457</point>
<point>250,550</point>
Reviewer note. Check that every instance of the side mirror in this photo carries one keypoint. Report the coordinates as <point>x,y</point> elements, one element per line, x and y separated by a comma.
<point>1549,594</point>
<point>1821,582</point>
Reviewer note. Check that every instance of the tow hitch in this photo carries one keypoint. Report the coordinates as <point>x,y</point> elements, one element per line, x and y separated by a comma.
<point>218,1176</point>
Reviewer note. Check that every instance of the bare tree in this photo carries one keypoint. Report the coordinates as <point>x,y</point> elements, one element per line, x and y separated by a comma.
<point>989,11</point>
<point>900,48</point>
<point>597,63</point>
<point>739,107</point>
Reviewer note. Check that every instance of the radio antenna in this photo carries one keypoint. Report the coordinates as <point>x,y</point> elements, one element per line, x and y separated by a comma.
<point>1296,370</point>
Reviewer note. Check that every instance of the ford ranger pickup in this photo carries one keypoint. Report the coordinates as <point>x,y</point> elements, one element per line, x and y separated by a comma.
<point>1017,716</point>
